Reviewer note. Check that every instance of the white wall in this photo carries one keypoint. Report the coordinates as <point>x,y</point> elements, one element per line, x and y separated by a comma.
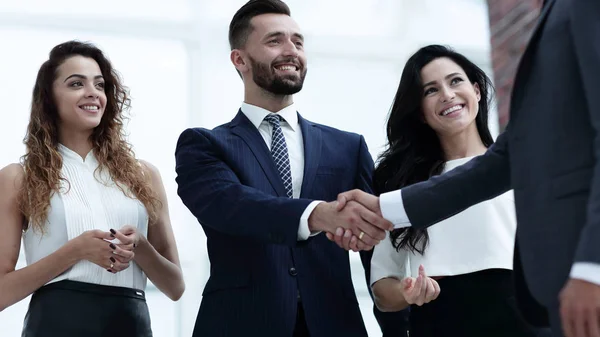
<point>174,57</point>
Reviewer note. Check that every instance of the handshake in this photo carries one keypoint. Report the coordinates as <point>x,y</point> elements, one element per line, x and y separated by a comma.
<point>354,221</point>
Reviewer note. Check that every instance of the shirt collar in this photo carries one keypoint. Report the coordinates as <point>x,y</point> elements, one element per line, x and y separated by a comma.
<point>256,114</point>
<point>70,155</point>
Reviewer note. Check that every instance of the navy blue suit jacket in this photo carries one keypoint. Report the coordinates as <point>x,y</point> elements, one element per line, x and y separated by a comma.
<point>228,180</point>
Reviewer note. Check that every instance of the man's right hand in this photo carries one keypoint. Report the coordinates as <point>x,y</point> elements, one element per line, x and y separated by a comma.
<point>344,237</point>
<point>367,227</point>
<point>367,200</point>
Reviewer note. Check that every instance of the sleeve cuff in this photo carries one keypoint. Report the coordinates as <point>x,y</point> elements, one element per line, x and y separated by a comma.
<point>586,271</point>
<point>392,209</point>
<point>303,231</point>
<point>386,262</point>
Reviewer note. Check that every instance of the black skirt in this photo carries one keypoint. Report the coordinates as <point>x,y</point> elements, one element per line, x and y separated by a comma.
<point>77,309</point>
<point>480,304</point>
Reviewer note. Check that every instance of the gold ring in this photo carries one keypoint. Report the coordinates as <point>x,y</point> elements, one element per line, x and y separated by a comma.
<point>361,235</point>
<point>112,265</point>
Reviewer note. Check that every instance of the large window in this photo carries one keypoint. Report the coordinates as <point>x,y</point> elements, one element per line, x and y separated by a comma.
<point>174,57</point>
<point>172,10</point>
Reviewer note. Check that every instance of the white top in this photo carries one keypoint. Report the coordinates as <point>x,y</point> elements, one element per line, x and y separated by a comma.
<point>481,237</point>
<point>295,146</point>
<point>87,202</point>
<point>392,208</point>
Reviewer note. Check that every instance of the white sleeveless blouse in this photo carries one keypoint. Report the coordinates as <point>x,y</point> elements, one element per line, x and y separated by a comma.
<point>87,201</point>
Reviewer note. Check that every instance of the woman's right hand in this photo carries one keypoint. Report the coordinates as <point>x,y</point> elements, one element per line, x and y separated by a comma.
<point>420,290</point>
<point>93,246</point>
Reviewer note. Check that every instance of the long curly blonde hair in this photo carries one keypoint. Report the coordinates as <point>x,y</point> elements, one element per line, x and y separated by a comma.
<point>42,161</point>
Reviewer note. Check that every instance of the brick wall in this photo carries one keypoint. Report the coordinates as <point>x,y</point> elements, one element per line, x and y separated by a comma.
<point>511,25</point>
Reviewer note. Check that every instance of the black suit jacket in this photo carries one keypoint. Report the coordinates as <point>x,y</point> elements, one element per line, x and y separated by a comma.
<point>228,180</point>
<point>548,154</point>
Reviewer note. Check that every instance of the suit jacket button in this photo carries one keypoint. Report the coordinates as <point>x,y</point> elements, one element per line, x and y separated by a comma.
<point>293,271</point>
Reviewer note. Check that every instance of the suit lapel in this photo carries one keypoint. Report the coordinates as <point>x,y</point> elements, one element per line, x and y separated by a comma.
<point>526,59</point>
<point>312,154</point>
<point>243,128</point>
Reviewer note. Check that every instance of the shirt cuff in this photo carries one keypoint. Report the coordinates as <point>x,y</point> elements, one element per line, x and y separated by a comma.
<point>392,209</point>
<point>586,271</point>
<point>303,232</point>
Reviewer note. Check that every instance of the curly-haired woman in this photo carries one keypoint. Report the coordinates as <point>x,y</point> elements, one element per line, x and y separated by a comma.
<point>94,220</point>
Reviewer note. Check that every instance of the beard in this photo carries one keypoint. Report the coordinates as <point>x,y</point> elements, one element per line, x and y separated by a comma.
<point>265,77</point>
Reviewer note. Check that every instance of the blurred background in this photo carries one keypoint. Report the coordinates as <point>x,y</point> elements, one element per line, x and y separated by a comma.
<point>174,56</point>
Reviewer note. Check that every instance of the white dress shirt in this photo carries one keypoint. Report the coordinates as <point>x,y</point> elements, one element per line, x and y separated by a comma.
<point>478,238</point>
<point>295,146</point>
<point>392,209</point>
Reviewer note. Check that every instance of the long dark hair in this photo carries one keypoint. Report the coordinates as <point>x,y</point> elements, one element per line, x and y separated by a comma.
<point>43,163</point>
<point>414,152</point>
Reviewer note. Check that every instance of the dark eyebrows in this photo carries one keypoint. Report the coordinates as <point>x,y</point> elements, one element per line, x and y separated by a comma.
<point>273,34</point>
<point>83,77</point>
<point>447,77</point>
<point>277,34</point>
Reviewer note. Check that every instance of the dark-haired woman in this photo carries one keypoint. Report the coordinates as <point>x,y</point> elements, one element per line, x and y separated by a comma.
<point>439,120</point>
<point>93,219</point>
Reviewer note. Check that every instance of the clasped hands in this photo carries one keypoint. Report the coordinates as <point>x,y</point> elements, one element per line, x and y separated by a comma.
<point>113,250</point>
<point>354,221</point>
